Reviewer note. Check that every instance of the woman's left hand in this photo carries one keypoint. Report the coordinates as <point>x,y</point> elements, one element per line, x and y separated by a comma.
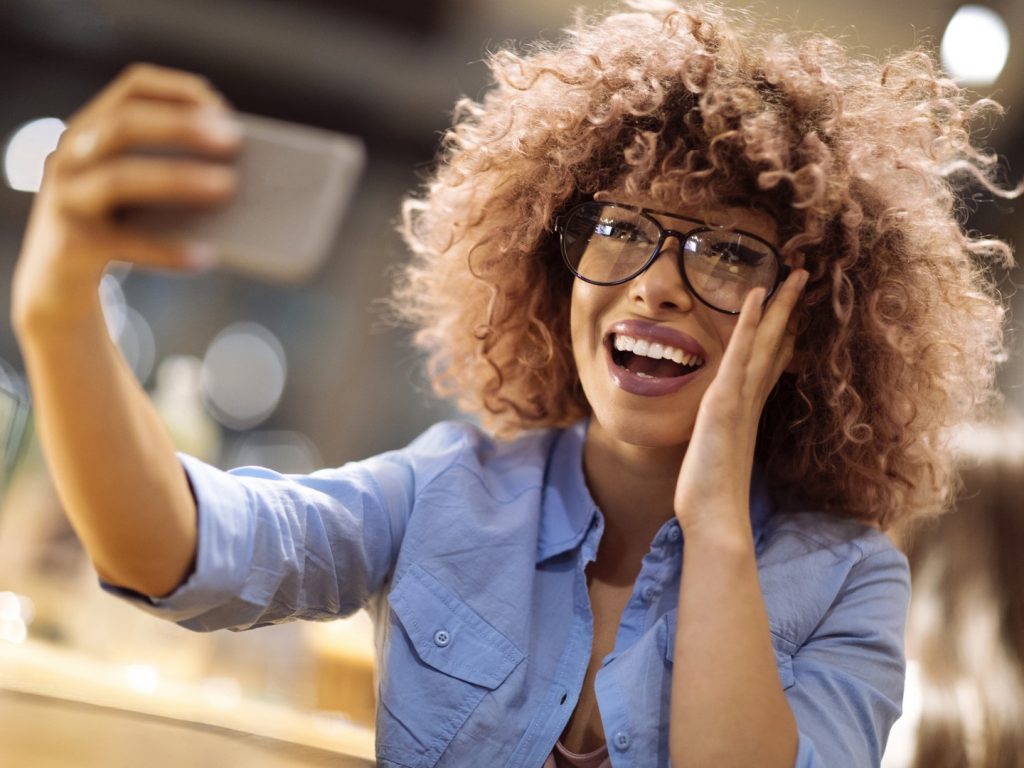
<point>714,482</point>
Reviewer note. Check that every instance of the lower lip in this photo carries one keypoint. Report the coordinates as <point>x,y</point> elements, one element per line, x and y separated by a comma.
<point>639,385</point>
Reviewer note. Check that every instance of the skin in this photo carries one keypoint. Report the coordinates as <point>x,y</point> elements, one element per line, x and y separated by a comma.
<point>111,458</point>
<point>650,458</point>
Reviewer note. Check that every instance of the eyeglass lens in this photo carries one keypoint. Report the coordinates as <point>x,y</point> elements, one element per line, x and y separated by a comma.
<point>610,244</point>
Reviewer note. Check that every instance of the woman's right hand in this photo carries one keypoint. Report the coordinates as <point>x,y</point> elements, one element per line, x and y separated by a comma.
<point>72,233</point>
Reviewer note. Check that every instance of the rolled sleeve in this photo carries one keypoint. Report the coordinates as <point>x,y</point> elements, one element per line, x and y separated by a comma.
<point>849,676</point>
<point>224,548</point>
<point>275,547</point>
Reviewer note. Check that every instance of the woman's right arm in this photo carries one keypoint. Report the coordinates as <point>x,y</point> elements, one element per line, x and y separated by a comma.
<point>112,460</point>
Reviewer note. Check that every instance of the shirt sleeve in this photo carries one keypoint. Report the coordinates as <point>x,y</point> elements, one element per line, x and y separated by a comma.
<point>848,678</point>
<point>274,547</point>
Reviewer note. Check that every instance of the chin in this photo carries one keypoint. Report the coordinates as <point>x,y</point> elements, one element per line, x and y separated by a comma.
<point>650,430</point>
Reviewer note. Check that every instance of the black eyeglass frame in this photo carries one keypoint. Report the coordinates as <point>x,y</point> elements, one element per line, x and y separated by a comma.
<point>562,220</point>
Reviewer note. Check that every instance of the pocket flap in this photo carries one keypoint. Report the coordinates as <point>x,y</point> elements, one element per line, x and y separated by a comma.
<point>448,635</point>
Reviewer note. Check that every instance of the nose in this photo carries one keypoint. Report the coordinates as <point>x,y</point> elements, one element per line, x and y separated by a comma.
<point>661,285</point>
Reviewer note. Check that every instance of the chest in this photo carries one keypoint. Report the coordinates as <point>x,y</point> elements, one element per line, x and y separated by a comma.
<point>585,731</point>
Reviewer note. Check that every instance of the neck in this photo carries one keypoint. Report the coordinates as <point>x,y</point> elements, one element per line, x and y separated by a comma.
<point>634,487</point>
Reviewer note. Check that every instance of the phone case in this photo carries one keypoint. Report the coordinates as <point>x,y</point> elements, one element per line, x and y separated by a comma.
<point>295,183</point>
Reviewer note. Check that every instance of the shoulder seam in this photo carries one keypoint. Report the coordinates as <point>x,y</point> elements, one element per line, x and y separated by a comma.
<point>456,459</point>
<point>858,542</point>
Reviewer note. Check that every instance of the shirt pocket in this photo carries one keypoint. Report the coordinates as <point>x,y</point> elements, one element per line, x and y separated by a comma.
<point>441,659</point>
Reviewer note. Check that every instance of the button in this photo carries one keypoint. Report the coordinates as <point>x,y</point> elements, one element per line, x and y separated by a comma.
<point>621,741</point>
<point>649,593</point>
<point>674,532</point>
<point>442,638</point>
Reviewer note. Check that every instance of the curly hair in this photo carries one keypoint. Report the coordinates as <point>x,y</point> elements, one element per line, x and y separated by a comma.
<point>858,161</point>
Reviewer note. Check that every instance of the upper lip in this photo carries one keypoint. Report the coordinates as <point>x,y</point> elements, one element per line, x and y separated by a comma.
<point>662,334</point>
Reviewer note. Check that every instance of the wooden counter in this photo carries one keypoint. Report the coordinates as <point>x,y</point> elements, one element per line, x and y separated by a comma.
<point>60,709</point>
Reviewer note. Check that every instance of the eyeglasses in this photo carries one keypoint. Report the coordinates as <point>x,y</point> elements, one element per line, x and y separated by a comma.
<point>607,243</point>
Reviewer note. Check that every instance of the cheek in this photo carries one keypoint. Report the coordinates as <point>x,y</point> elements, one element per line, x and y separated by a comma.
<point>584,308</point>
<point>724,326</point>
<point>575,309</point>
<point>575,324</point>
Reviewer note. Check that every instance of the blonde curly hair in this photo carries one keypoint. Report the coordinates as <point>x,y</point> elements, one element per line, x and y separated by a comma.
<point>855,159</point>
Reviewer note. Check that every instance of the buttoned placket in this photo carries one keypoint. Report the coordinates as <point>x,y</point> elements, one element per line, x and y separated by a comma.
<point>640,614</point>
<point>563,695</point>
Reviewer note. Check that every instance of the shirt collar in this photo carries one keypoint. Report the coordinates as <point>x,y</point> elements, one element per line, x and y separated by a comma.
<point>569,510</point>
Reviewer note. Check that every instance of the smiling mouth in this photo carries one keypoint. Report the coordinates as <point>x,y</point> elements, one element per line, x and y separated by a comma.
<point>650,360</point>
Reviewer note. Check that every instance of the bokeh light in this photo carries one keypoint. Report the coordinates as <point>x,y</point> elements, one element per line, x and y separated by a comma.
<point>144,678</point>
<point>976,45</point>
<point>243,375</point>
<point>137,344</point>
<point>16,612</point>
<point>287,451</point>
<point>114,305</point>
<point>26,151</point>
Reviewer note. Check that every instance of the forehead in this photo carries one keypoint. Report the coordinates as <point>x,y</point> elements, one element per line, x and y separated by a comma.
<point>748,219</point>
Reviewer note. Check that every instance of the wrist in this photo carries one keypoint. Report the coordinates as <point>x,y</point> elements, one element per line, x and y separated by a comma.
<point>55,310</point>
<point>713,509</point>
<point>43,325</point>
<point>725,534</point>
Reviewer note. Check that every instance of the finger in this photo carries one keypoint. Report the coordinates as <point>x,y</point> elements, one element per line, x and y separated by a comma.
<point>129,181</point>
<point>774,327</point>
<point>109,243</point>
<point>208,131</point>
<point>141,80</point>
<point>782,304</point>
<point>740,348</point>
<point>781,360</point>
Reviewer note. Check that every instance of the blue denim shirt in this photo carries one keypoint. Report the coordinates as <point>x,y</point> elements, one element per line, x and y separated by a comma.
<point>470,554</point>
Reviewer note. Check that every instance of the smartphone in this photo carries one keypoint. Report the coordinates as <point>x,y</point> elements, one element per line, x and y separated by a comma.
<point>295,184</point>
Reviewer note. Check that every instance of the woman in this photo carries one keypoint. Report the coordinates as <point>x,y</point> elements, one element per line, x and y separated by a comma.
<point>705,284</point>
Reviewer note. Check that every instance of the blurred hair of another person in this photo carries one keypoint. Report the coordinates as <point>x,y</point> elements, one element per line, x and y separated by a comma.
<point>964,702</point>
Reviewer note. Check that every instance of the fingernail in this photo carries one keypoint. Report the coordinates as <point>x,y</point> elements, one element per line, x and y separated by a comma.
<point>202,257</point>
<point>83,144</point>
<point>804,277</point>
<point>220,126</point>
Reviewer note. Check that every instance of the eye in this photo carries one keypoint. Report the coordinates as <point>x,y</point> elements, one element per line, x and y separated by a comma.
<point>735,254</point>
<point>623,231</point>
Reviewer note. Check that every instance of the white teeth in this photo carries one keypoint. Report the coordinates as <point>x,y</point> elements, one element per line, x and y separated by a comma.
<point>654,350</point>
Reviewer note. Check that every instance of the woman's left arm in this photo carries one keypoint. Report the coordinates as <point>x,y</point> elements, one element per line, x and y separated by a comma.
<point>728,707</point>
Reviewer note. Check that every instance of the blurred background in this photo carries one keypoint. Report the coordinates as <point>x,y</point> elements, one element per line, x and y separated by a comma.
<point>300,376</point>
